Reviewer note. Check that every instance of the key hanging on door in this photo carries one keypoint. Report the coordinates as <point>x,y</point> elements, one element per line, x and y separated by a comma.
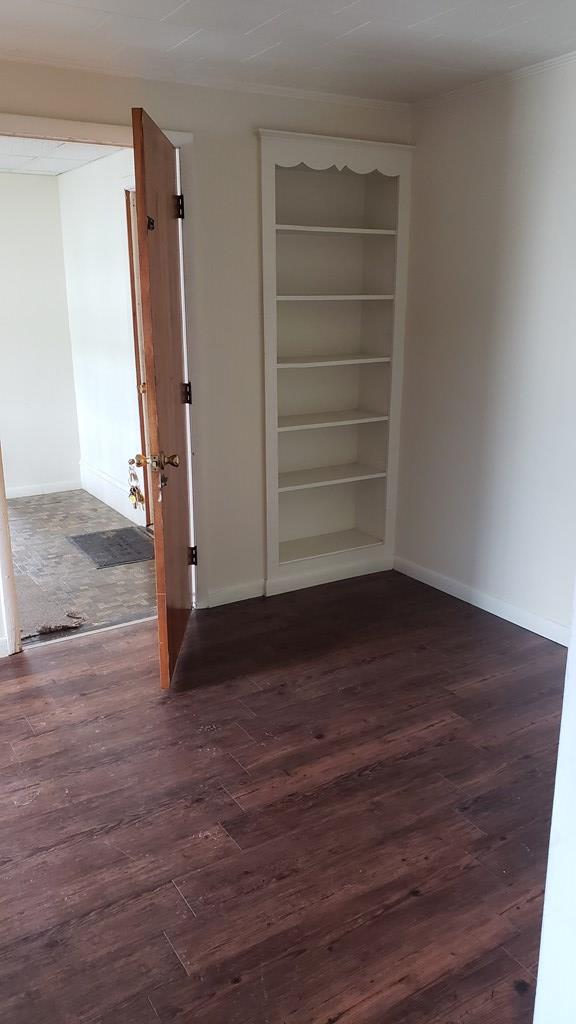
<point>135,496</point>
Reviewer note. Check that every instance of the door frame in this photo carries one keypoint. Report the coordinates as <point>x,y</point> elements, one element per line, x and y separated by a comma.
<point>137,330</point>
<point>11,642</point>
<point>24,125</point>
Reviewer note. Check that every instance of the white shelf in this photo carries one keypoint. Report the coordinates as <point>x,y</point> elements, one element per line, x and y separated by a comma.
<point>318,229</point>
<point>325,544</point>
<point>315,420</point>
<point>335,298</point>
<point>303,362</point>
<point>324,476</point>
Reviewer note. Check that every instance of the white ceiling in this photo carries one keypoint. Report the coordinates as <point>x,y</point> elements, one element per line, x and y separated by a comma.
<point>43,156</point>
<point>378,49</point>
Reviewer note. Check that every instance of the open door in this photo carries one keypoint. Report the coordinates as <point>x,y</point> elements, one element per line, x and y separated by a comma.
<point>158,233</point>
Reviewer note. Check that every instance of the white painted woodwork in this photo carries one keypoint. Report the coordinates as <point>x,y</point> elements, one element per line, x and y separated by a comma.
<point>335,236</point>
<point>303,362</point>
<point>325,544</point>
<point>323,476</point>
<point>311,421</point>
<point>318,230</point>
<point>332,297</point>
<point>10,641</point>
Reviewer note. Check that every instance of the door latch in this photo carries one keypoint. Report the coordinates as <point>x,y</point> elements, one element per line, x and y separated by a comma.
<point>156,462</point>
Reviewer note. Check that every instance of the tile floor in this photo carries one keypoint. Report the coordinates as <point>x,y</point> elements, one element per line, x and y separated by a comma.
<point>40,526</point>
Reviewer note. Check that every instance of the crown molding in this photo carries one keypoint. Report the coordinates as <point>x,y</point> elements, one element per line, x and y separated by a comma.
<point>498,80</point>
<point>278,133</point>
<point>543,66</point>
<point>289,92</point>
<point>226,85</point>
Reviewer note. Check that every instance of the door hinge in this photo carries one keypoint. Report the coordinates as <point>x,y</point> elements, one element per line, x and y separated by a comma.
<point>180,207</point>
<point>187,393</point>
<point>193,555</point>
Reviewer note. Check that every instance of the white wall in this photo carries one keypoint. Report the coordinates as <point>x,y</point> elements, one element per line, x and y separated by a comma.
<point>556,994</point>
<point>223,290</point>
<point>94,231</point>
<point>37,405</point>
<point>488,488</point>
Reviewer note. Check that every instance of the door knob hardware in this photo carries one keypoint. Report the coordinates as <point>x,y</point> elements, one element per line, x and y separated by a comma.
<point>156,462</point>
<point>135,495</point>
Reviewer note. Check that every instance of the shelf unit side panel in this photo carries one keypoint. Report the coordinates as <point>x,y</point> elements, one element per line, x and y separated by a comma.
<point>397,366</point>
<point>268,188</point>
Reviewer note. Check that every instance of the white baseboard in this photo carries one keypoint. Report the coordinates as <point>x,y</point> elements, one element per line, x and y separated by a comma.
<point>302,575</point>
<point>236,592</point>
<point>112,492</point>
<point>519,616</point>
<point>31,489</point>
<point>316,574</point>
<point>4,648</point>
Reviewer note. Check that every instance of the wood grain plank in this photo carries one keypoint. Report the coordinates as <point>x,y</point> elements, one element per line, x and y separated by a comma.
<point>340,813</point>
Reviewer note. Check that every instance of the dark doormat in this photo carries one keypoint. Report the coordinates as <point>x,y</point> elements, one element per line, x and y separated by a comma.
<point>115,547</point>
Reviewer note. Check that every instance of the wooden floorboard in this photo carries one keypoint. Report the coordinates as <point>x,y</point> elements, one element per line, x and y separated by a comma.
<point>339,814</point>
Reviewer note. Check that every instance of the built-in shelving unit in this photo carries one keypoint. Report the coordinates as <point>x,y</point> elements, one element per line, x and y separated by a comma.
<point>335,218</point>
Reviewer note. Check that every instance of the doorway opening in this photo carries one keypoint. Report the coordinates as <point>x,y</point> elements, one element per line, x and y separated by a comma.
<point>70,408</point>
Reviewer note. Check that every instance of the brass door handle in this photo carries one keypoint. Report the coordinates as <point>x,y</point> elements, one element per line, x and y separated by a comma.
<point>156,462</point>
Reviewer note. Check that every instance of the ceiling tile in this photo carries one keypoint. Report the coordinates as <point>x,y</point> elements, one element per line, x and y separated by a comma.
<point>228,45</point>
<point>82,152</point>
<point>229,17</point>
<point>53,163</point>
<point>154,9</point>
<point>22,147</point>
<point>12,162</point>
<point>373,48</point>
<point>45,156</point>
<point>123,31</point>
<point>38,16</point>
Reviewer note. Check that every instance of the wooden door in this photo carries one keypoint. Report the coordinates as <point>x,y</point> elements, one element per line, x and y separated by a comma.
<point>158,231</point>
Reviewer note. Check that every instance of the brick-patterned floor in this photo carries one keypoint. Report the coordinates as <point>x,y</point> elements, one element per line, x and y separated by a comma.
<point>39,528</point>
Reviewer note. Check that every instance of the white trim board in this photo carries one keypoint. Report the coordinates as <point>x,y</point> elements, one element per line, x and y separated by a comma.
<point>112,492</point>
<point>218,84</point>
<point>496,81</point>
<point>555,631</point>
<point>360,563</point>
<point>229,595</point>
<point>9,619</point>
<point>300,581</point>
<point>29,490</point>
<point>26,126</point>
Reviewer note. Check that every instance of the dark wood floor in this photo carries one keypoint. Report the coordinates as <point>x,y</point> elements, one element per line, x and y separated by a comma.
<point>342,817</point>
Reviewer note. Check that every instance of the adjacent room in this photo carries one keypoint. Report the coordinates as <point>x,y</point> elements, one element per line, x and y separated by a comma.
<point>69,405</point>
<point>287,530</point>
